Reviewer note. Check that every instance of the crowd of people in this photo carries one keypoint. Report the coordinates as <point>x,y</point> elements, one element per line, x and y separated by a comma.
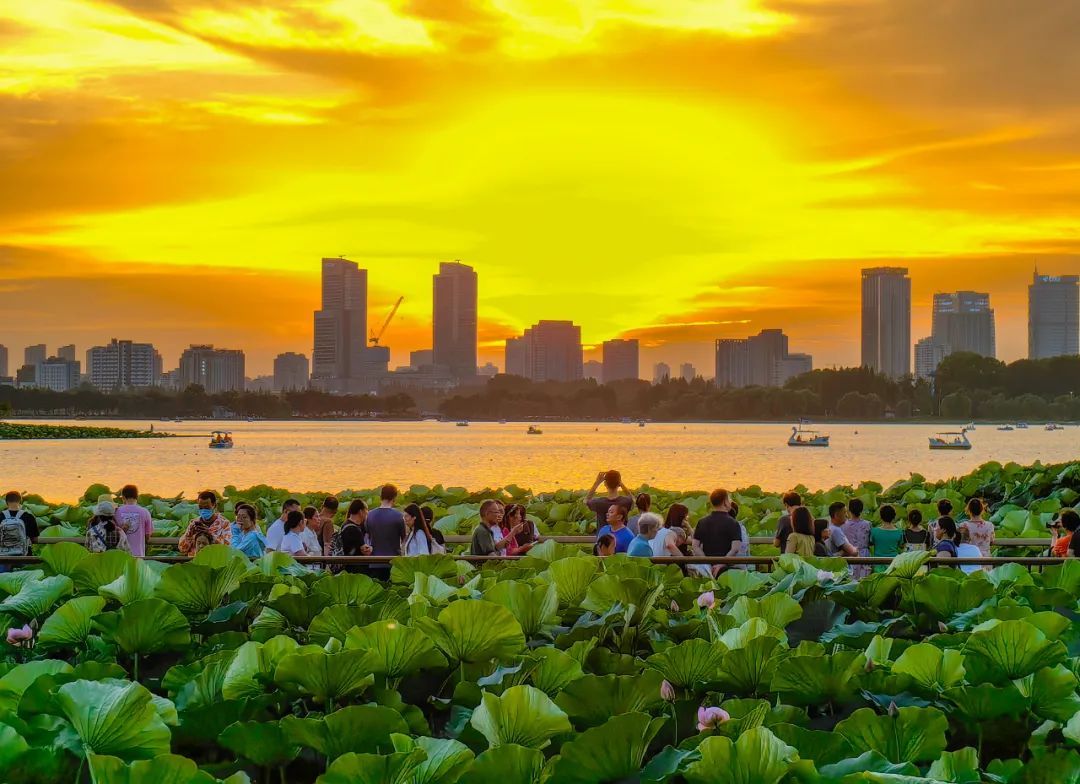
<point>625,523</point>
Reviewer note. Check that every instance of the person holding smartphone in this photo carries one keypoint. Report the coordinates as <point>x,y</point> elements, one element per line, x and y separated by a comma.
<point>1061,530</point>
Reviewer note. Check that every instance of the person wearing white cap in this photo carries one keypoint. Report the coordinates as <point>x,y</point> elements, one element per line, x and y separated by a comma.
<point>103,533</point>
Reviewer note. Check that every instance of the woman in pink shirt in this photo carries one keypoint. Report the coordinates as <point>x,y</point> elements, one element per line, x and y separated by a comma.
<point>980,532</point>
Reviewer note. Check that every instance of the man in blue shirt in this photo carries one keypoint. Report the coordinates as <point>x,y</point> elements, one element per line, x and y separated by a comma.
<point>616,526</point>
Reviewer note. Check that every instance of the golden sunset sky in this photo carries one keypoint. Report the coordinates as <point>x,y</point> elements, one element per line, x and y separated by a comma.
<point>673,170</point>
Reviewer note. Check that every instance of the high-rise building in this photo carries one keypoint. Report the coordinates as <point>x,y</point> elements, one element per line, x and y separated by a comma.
<point>759,360</point>
<point>964,321</point>
<point>620,360</point>
<point>214,369</point>
<point>488,370</point>
<point>928,355</point>
<point>290,372</point>
<point>732,362</point>
<point>338,360</point>
<point>123,364</point>
<point>3,361</point>
<point>425,357</point>
<point>548,351</point>
<point>661,372</point>
<point>518,358</point>
<point>593,370</point>
<point>1053,316</point>
<point>259,384</point>
<point>886,320</point>
<point>687,371</point>
<point>67,352</point>
<point>59,375</point>
<point>35,355</point>
<point>454,318</point>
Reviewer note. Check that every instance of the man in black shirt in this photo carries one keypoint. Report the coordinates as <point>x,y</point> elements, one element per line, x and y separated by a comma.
<point>718,533</point>
<point>783,526</point>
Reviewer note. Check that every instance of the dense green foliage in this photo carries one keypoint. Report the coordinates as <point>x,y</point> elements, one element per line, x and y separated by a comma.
<point>561,668</point>
<point>13,431</point>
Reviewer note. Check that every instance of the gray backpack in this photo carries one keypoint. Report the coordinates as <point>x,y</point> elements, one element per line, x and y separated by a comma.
<point>13,540</point>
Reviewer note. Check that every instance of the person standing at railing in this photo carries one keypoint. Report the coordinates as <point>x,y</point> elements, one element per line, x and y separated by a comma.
<point>886,538</point>
<point>418,538</point>
<point>784,526</point>
<point>717,534</point>
<point>135,520</point>
<point>643,503</point>
<point>612,480</point>
<point>616,526</point>
<point>291,541</point>
<point>1062,531</point>
<point>246,536</point>
<point>323,523</point>
<point>947,539</point>
<point>385,529</point>
<point>276,530</point>
<point>528,535</point>
<point>801,540</point>
<point>980,532</point>
<point>915,536</point>
<point>857,531</point>
<point>488,537</point>
<point>18,528</point>
<point>209,525</point>
<point>836,542</point>
<point>666,541</point>
<point>641,545</point>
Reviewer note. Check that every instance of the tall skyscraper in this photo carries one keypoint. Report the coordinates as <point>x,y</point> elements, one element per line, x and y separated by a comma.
<point>3,361</point>
<point>1053,316</point>
<point>928,355</point>
<point>886,320</point>
<point>518,358</point>
<point>620,360</point>
<point>214,369</point>
<point>687,372</point>
<point>661,372</point>
<point>548,351</point>
<point>67,352</point>
<point>35,355</point>
<point>964,321</point>
<point>123,364</point>
<point>424,357</point>
<point>454,322</point>
<point>759,360</point>
<point>290,372</point>
<point>594,371</point>
<point>59,375</point>
<point>339,352</point>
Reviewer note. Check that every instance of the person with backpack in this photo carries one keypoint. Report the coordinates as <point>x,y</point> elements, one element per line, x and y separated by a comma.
<point>350,538</point>
<point>18,528</point>
<point>103,533</point>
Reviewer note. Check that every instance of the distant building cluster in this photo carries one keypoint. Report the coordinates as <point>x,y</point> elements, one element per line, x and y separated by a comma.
<point>345,358</point>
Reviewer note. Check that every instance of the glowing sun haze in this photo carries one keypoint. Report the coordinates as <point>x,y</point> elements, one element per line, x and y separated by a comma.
<point>672,170</point>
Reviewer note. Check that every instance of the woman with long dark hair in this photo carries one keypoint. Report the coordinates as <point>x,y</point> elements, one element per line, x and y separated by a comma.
<point>418,536</point>
<point>526,537</point>
<point>947,538</point>
<point>801,540</point>
<point>666,541</point>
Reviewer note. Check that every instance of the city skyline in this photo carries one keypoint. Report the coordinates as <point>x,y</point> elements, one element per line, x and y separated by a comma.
<point>567,151</point>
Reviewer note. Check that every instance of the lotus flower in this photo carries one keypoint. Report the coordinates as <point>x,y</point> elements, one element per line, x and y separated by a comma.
<point>707,600</point>
<point>674,606</point>
<point>667,692</point>
<point>869,666</point>
<point>20,636</point>
<point>711,718</point>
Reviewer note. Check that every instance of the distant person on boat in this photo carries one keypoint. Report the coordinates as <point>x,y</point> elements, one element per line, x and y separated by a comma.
<point>612,481</point>
<point>488,537</point>
<point>791,501</point>
<point>209,525</point>
<point>527,536</point>
<point>718,534</point>
<point>386,529</point>
<point>291,541</point>
<point>947,539</point>
<point>18,528</point>
<point>857,531</point>
<point>915,536</point>
<point>1062,530</point>
<point>643,503</point>
<point>667,539</point>
<point>323,523</point>
<point>886,538</point>
<point>836,542</point>
<point>980,531</point>
<point>801,540</point>
<point>246,536</point>
<point>641,545</point>
<point>418,538</point>
<point>102,532</point>
<point>135,520</point>
<point>277,528</point>
<point>616,526</point>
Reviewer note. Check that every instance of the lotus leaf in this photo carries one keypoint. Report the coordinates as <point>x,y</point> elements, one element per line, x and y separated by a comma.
<point>110,718</point>
<point>750,669</point>
<point>535,606</point>
<point>755,756</point>
<point>521,715</point>
<point>19,679</point>
<point>694,664</point>
<point>196,589</point>
<point>817,680</point>
<point>403,570</point>
<point>555,670</point>
<point>333,622</point>
<point>139,581</point>
<point>327,677</point>
<point>959,767</point>
<point>506,764</point>
<point>70,624</point>
<point>395,768</point>
<point>1014,649</point>
<point>911,735</point>
<point>1051,693</point>
<point>778,610</point>
<point>348,588</point>
<point>264,744</point>
<point>63,557</point>
<point>356,728</point>
<point>930,667</point>
<point>396,650</point>
<point>611,752</point>
<point>146,626</point>
<point>99,569</point>
<point>475,631</point>
<point>571,577</point>
<point>37,597</point>
<point>445,762</point>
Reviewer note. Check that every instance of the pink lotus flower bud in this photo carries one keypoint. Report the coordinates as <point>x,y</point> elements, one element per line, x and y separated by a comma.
<point>711,718</point>
<point>674,606</point>
<point>869,666</point>
<point>19,636</point>
<point>707,600</point>
<point>893,710</point>
<point>667,692</point>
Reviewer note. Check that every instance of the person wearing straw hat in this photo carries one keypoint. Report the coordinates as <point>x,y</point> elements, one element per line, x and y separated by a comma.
<point>103,533</point>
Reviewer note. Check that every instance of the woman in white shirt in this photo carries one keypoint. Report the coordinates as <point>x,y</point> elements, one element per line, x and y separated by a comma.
<point>291,542</point>
<point>666,541</point>
<point>417,533</point>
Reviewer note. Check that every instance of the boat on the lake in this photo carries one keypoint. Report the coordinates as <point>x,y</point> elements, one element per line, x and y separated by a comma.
<point>1054,426</point>
<point>221,439</point>
<point>1006,428</point>
<point>801,436</point>
<point>463,423</point>
<point>1021,425</point>
<point>951,440</point>
<point>534,431</point>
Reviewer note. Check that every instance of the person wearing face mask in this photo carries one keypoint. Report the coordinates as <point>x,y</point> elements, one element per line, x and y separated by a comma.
<point>209,524</point>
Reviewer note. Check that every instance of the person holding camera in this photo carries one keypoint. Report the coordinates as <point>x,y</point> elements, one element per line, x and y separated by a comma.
<point>1062,530</point>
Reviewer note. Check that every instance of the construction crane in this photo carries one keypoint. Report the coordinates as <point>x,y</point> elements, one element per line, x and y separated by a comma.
<point>377,336</point>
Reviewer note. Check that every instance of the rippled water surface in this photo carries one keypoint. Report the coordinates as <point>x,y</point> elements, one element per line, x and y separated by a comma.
<point>339,455</point>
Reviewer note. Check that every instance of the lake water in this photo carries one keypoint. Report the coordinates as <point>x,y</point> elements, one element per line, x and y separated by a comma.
<point>334,456</point>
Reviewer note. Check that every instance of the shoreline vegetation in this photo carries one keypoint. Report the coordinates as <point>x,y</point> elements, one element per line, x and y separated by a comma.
<point>12,431</point>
